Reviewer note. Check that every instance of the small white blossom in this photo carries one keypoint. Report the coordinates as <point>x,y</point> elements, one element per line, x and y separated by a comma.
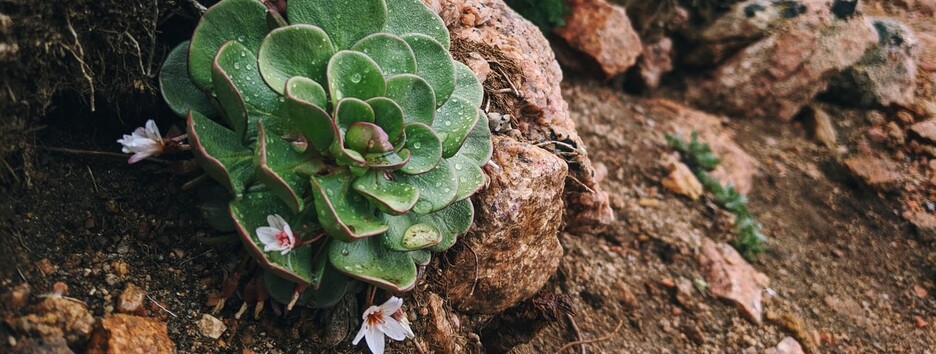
<point>143,143</point>
<point>278,236</point>
<point>383,321</point>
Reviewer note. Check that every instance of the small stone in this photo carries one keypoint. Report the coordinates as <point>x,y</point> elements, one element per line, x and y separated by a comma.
<point>211,327</point>
<point>924,222</point>
<point>57,317</point>
<point>60,288</point>
<point>732,278</point>
<point>824,130</point>
<point>123,333</point>
<point>789,345</point>
<point>131,300</point>
<point>46,267</point>
<point>681,180</point>
<point>925,129</point>
<point>120,268</point>
<point>877,173</point>
<point>656,61</point>
<point>111,206</point>
<point>895,134</point>
<point>919,322</point>
<point>604,32</point>
<point>920,291</point>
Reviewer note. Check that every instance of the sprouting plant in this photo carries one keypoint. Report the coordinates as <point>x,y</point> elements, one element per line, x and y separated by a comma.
<point>700,158</point>
<point>345,134</point>
<point>545,14</point>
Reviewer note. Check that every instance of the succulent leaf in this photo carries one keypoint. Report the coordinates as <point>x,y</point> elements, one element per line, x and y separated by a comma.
<point>230,101</point>
<point>353,74</point>
<point>308,117</point>
<point>277,161</point>
<point>236,63</point>
<point>389,196</point>
<point>346,216</point>
<point>437,188</point>
<point>352,110</point>
<point>469,174</point>
<point>367,138</point>
<point>249,213</point>
<point>219,152</point>
<point>415,97</point>
<point>390,52</point>
<point>332,288</point>
<point>389,116</point>
<point>426,149</point>
<point>467,85</point>
<point>449,223</point>
<point>297,50</point>
<point>413,16</point>
<point>370,261</point>
<point>478,145</point>
<point>421,257</point>
<point>345,21</point>
<point>244,21</point>
<point>454,120</point>
<point>177,88</point>
<point>391,160</point>
<point>433,63</point>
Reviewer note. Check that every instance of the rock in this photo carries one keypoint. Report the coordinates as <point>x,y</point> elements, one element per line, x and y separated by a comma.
<point>211,327</point>
<point>17,297</point>
<point>920,291</point>
<point>823,129</point>
<point>681,181</point>
<point>775,77</point>
<point>521,323</point>
<point>57,317</point>
<point>522,59</point>
<point>123,333</point>
<point>788,345</point>
<point>604,32</point>
<point>131,300</point>
<point>513,248</point>
<point>925,224</point>
<point>440,332</point>
<point>732,278</point>
<point>919,322</point>
<point>887,72</point>
<point>737,167</point>
<point>878,173</point>
<point>46,267</point>
<point>926,130</point>
<point>655,62</point>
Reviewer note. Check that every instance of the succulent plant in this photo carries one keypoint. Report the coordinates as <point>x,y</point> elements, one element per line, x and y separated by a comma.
<point>347,123</point>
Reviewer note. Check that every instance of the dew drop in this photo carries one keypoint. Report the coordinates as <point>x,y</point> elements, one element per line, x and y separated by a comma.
<point>345,252</point>
<point>417,145</point>
<point>236,66</point>
<point>356,78</point>
<point>458,166</point>
<point>448,123</point>
<point>240,39</point>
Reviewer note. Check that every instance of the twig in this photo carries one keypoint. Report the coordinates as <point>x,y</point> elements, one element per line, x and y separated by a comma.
<point>160,306</point>
<point>85,68</point>
<point>476,271</point>
<point>576,330</point>
<point>565,145</point>
<point>152,49</point>
<point>93,181</point>
<point>198,6</point>
<point>10,168</point>
<point>21,274</point>
<point>580,342</point>
<point>581,184</point>
<point>97,153</point>
<point>516,92</point>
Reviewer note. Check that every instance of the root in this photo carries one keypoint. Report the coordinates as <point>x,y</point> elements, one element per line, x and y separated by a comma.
<point>79,56</point>
<point>580,342</point>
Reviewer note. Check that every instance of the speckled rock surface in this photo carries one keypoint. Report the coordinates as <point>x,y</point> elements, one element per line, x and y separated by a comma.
<point>130,334</point>
<point>604,32</point>
<point>513,248</point>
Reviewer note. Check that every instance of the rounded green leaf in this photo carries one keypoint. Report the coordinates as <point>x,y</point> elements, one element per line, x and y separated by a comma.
<point>345,215</point>
<point>389,196</point>
<point>449,222</point>
<point>470,176</point>
<point>413,16</point>
<point>239,65</point>
<point>421,257</point>
<point>478,145</point>
<point>454,120</point>
<point>389,116</point>
<point>251,212</point>
<point>415,97</point>
<point>437,188</point>
<point>177,88</point>
<point>391,160</point>
<point>425,148</point>
<point>219,151</point>
<point>276,161</point>
<point>353,74</point>
<point>345,21</point>
<point>433,63</point>
<point>308,90</point>
<point>331,288</point>
<point>303,99</point>
<point>467,85</point>
<point>352,110</point>
<point>392,53</point>
<point>244,21</point>
<point>369,261</point>
<point>231,102</point>
<point>367,138</point>
<point>297,50</point>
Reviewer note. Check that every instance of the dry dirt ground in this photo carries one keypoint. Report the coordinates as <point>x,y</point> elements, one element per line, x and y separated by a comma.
<point>840,260</point>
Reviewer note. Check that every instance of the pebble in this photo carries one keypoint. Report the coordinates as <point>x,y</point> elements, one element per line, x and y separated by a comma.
<point>211,327</point>
<point>131,300</point>
<point>920,291</point>
<point>919,322</point>
<point>46,267</point>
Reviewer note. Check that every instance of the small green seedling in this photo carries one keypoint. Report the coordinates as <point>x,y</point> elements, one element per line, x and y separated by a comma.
<point>347,138</point>
<point>700,158</point>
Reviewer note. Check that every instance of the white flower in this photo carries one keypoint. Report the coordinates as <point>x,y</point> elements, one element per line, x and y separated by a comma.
<point>381,321</point>
<point>143,143</point>
<point>278,236</point>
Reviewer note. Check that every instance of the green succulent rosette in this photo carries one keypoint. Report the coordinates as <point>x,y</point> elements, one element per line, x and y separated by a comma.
<point>352,119</point>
